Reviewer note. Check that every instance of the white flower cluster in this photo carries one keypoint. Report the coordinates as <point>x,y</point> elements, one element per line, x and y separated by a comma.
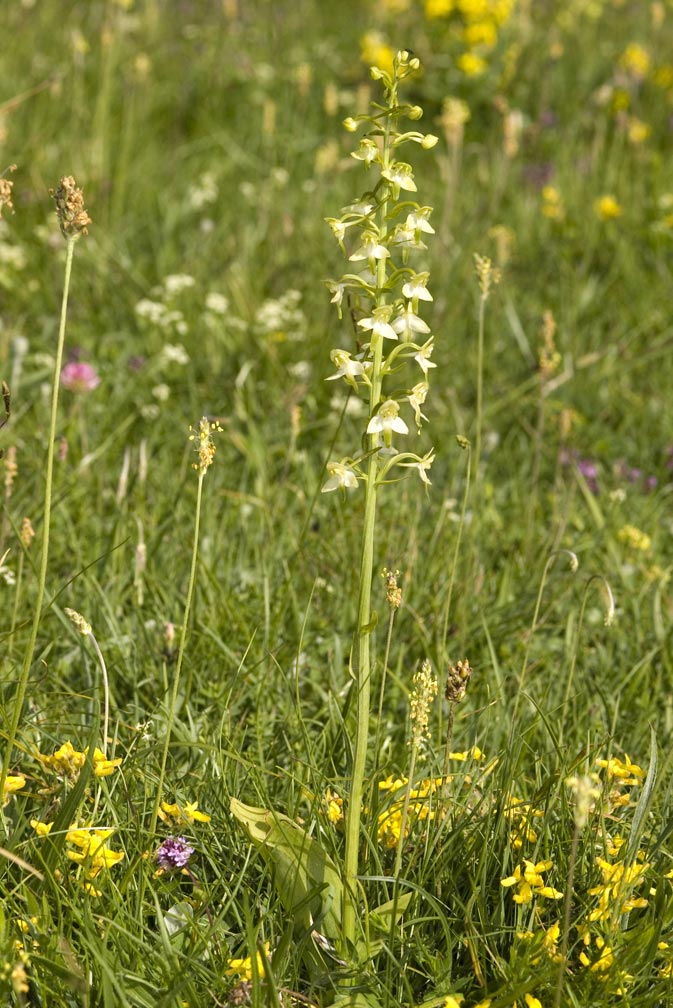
<point>382,235</point>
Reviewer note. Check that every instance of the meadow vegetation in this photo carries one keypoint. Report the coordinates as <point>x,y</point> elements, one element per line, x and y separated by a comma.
<point>205,657</point>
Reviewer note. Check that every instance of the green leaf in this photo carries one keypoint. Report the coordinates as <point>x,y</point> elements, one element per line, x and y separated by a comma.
<point>357,1000</point>
<point>381,917</point>
<point>644,802</point>
<point>305,877</point>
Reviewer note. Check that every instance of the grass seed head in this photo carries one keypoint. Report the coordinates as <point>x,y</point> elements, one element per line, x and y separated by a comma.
<point>70,211</point>
<point>457,679</point>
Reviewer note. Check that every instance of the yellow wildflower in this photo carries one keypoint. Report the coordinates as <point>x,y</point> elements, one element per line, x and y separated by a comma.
<point>633,537</point>
<point>627,773</point>
<point>481,33</point>
<point>552,203</point>
<point>92,853</point>
<point>375,51</point>
<point>41,828</point>
<point>613,893</point>
<point>68,761</point>
<point>334,805</point>
<point>438,8</point>
<point>529,882</point>
<point>635,60</point>
<point>474,753</point>
<point>13,783</point>
<point>532,1002</point>
<point>103,767</point>
<point>607,208</point>
<point>243,967</point>
<point>454,1001</point>
<point>637,131</point>
<point>471,64</point>
<point>182,814</point>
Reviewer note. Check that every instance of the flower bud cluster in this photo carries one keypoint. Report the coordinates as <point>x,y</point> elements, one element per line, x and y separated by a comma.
<point>383,236</point>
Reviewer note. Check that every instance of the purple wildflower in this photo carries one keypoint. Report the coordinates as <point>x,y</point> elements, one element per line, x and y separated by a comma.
<point>174,853</point>
<point>589,470</point>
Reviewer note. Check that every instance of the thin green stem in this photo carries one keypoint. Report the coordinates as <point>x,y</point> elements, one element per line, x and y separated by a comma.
<point>20,695</point>
<point>480,386</point>
<point>609,615</point>
<point>404,818</point>
<point>567,907</point>
<point>538,603</point>
<point>456,550</point>
<point>384,672</point>
<point>106,694</point>
<point>178,665</point>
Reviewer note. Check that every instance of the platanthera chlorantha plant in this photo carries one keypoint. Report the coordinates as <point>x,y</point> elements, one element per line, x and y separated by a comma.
<point>383,237</point>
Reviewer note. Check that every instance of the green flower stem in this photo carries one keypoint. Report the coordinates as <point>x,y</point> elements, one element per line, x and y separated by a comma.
<point>181,651</point>
<point>362,670</point>
<point>404,820</point>
<point>17,708</point>
<point>456,549</point>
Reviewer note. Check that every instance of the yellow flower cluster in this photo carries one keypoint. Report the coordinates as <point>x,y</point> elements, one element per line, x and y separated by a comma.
<point>67,762</point>
<point>88,849</point>
<point>182,815</point>
<point>476,23</point>
<point>634,538</point>
<point>92,853</point>
<point>521,813</point>
<point>527,877</point>
<point>552,203</point>
<point>389,826</point>
<point>389,823</point>
<point>545,941</point>
<point>618,881</point>
<point>457,1001</point>
<point>602,962</point>
<point>334,807</point>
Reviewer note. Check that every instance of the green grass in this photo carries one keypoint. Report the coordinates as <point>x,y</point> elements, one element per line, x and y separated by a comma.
<point>207,139</point>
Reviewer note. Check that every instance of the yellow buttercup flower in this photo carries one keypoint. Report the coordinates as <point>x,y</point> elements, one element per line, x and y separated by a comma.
<point>607,208</point>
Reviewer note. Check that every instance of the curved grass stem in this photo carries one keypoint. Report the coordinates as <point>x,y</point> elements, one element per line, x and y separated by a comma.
<point>20,695</point>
